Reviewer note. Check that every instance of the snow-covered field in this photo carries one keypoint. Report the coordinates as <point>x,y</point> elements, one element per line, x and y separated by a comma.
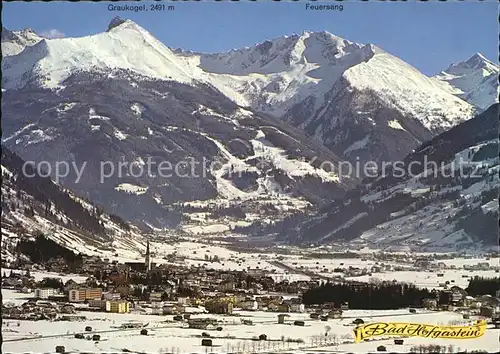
<point>197,253</point>
<point>39,275</point>
<point>163,337</point>
<point>428,279</point>
<point>14,297</point>
<point>166,336</point>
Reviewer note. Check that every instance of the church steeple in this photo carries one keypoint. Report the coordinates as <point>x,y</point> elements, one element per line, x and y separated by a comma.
<point>147,261</point>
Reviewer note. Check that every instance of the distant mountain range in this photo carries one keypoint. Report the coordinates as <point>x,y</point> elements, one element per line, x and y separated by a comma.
<point>474,80</point>
<point>433,209</point>
<point>265,118</point>
<point>14,42</point>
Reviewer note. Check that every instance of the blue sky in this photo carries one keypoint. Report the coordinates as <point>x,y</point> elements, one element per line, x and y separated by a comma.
<point>429,36</point>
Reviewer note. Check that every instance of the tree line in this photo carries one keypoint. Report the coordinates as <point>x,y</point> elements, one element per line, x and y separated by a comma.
<point>368,296</point>
<point>388,296</point>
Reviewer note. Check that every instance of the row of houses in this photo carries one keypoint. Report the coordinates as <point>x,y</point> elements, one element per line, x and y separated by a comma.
<point>458,300</point>
<point>37,310</point>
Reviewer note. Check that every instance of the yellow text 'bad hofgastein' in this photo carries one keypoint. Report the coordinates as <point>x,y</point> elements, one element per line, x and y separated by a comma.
<point>419,330</point>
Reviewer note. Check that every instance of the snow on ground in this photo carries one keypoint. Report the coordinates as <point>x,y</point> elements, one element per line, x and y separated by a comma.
<point>14,297</point>
<point>174,337</point>
<point>195,253</point>
<point>165,336</point>
<point>206,229</point>
<point>290,70</point>
<point>474,79</point>
<point>15,41</point>
<point>461,262</point>
<point>39,275</point>
<point>328,265</point>
<point>394,124</point>
<point>18,132</point>
<point>405,271</point>
<point>265,151</point>
<point>357,145</point>
<point>131,189</point>
<point>118,48</point>
<point>489,343</point>
<point>427,279</point>
<point>409,90</point>
<point>429,228</point>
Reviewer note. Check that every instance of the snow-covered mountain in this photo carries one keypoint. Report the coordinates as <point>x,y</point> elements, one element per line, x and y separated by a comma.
<point>263,118</point>
<point>474,80</point>
<point>358,100</point>
<point>300,66</point>
<point>451,204</point>
<point>124,46</point>
<point>14,42</point>
<point>274,75</point>
<point>34,206</point>
<point>354,98</point>
<point>122,96</point>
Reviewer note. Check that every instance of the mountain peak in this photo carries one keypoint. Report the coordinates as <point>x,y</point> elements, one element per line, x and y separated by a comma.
<point>477,61</point>
<point>116,21</point>
<point>478,56</point>
<point>28,31</point>
<point>474,80</point>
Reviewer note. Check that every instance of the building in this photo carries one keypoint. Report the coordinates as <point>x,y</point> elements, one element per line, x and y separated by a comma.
<point>44,293</point>
<point>226,285</point>
<point>219,306</point>
<point>201,323</point>
<point>297,308</point>
<point>155,296</point>
<point>70,284</point>
<point>157,309</point>
<point>469,301</point>
<point>118,306</point>
<point>335,313</point>
<point>100,304</point>
<point>111,296</point>
<point>250,305</point>
<point>85,294</point>
<point>486,311</point>
<point>483,266</point>
<point>281,318</point>
<point>169,309</point>
<point>67,308</point>
<point>123,290</point>
<point>283,308</point>
<point>430,304</point>
<point>456,297</point>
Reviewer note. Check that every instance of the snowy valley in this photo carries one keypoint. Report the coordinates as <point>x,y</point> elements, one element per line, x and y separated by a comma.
<point>272,122</point>
<point>278,197</point>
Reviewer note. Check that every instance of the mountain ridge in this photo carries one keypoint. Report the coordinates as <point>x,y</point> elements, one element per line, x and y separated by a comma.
<point>35,205</point>
<point>287,101</point>
<point>475,80</point>
<point>453,207</point>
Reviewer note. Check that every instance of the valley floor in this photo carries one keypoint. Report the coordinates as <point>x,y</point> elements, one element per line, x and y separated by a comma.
<point>165,336</point>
